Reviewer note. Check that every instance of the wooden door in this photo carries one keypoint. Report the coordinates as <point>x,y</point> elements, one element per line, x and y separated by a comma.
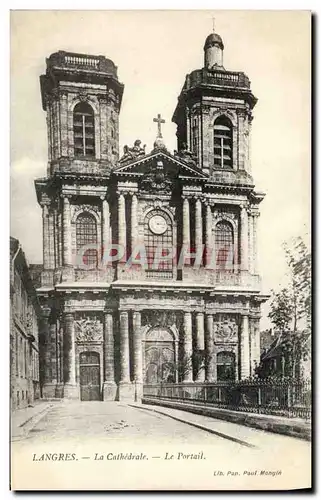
<point>89,376</point>
<point>159,362</point>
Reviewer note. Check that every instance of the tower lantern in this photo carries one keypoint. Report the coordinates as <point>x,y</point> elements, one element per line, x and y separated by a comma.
<point>213,51</point>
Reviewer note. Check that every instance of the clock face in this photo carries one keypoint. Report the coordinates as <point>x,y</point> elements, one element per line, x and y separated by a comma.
<point>157,224</point>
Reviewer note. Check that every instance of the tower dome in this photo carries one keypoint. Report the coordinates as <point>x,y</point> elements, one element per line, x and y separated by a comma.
<point>213,51</point>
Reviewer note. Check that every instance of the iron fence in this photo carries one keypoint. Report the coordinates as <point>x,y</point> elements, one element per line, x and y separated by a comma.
<point>280,398</point>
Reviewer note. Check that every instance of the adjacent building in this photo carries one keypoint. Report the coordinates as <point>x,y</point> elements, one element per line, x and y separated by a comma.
<point>120,308</point>
<point>24,331</point>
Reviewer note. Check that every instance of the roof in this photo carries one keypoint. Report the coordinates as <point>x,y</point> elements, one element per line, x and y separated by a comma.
<point>213,39</point>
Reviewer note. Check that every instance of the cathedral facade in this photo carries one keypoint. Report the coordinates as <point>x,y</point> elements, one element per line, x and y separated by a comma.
<point>149,257</point>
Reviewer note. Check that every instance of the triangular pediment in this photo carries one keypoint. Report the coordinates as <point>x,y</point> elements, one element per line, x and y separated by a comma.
<point>174,166</point>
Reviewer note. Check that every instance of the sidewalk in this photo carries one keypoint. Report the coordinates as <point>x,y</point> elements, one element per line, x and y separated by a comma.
<point>294,427</point>
<point>24,418</point>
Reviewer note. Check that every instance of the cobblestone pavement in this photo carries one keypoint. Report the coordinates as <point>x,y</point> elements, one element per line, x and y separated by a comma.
<point>111,421</point>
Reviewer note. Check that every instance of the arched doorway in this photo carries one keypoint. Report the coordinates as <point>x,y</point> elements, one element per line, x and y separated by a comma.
<point>225,363</point>
<point>89,368</point>
<point>159,356</point>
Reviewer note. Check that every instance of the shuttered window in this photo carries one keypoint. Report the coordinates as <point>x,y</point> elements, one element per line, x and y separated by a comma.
<point>84,130</point>
<point>223,143</point>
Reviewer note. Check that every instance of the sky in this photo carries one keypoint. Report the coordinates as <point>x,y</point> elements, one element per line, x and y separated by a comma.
<point>154,50</point>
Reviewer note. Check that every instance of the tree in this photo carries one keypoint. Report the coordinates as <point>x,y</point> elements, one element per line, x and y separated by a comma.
<point>291,307</point>
<point>282,310</point>
<point>299,262</point>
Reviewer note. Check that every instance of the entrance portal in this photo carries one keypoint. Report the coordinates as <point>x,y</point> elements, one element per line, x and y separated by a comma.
<point>89,376</point>
<point>159,356</point>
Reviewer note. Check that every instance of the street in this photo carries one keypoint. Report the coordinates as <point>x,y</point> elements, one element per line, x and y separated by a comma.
<point>112,421</point>
<point>80,442</point>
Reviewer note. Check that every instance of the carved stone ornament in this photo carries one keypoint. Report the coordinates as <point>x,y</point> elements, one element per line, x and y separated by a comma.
<point>155,179</point>
<point>82,95</point>
<point>184,154</point>
<point>88,330</point>
<point>134,153</point>
<point>159,318</point>
<point>225,331</point>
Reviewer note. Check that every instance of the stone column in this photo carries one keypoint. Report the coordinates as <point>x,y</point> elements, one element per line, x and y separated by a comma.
<point>209,258</point>
<point>46,240</point>
<point>188,348</point>
<point>251,247</point>
<point>210,362</point>
<point>105,225</point>
<point>133,222</point>
<point>200,139</point>
<point>51,239</point>
<point>71,390</point>
<point>241,140</point>
<point>64,124</point>
<point>103,127</point>
<point>109,387</point>
<point>200,376</point>
<point>49,385</point>
<point>198,227</point>
<point>122,224</point>
<point>244,239</point>
<point>125,387</point>
<point>138,355</point>
<point>188,129</point>
<point>54,355</point>
<point>186,229</point>
<point>255,343</point>
<point>245,348</point>
<point>67,255</point>
<point>255,251</point>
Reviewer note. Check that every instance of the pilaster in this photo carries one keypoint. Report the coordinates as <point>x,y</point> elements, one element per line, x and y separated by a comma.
<point>210,362</point>
<point>198,227</point>
<point>200,344</point>
<point>186,228</point>
<point>244,239</point>
<point>187,348</point>
<point>122,224</point>
<point>109,387</point>
<point>245,348</point>
<point>71,389</point>
<point>125,386</point>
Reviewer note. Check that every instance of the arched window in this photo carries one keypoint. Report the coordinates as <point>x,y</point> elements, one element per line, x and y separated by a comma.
<point>84,130</point>
<point>86,234</point>
<point>224,245</point>
<point>225,363</point>
<point>223,143</point>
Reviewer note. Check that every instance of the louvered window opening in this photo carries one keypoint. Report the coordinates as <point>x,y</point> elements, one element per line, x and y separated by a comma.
<point>84,131</point>
<point>223,157</point>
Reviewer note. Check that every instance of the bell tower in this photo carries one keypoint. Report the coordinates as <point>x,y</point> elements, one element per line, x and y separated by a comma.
<point>214,114</point>
<point>82,96</point>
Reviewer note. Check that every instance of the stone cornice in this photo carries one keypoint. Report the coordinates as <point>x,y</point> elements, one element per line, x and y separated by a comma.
<point>164,155</point>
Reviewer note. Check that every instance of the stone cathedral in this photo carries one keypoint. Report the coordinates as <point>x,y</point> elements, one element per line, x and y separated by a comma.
<point>116,317</point>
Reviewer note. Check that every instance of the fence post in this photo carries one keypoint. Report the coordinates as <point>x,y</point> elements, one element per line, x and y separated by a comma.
<point>205,394</point>
<point>219,394</point>
<point>259,400</point>
<point>289,399</point>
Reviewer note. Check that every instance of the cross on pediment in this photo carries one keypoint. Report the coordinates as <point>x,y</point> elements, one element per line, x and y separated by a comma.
<point>159,120</point>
